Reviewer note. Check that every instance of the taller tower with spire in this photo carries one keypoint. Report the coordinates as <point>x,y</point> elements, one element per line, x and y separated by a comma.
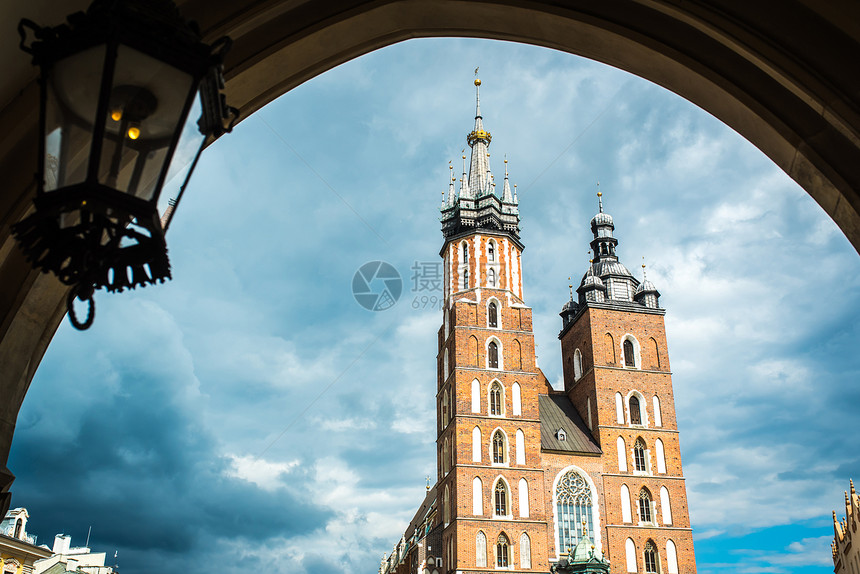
<point>532,479</point>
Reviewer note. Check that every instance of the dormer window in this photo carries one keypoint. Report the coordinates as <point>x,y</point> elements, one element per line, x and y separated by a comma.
<point>561,435</point>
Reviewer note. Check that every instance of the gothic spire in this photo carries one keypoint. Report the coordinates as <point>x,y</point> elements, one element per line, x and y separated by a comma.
<point>479,140</point>
<point>507,196</point>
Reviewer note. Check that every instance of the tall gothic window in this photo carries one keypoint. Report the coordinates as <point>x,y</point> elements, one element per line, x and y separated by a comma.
<point>493,315</point>
<point>498,447</point>
<point>502,551</point>
<point>496,399</point>
<point>635,411</point>
<point>500,494</point>
<point>491,277</point>
<point>493,355</point>
<point>639,455</point>
<point>645,505</point>
<point>650,558</point>
<point>573,505</point>
<point>481,550</point>
<point>491,251</point>
<point>466,278</point>
<point>629,357</point>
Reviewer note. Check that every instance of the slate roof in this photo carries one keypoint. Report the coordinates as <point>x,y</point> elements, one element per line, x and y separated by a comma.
<point>556,411</point>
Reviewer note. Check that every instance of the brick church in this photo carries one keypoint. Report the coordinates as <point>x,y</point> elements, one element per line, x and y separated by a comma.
<point>529,478</point>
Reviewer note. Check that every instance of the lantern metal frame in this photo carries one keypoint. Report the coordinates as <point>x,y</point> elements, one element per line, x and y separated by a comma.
<point>89,234</point>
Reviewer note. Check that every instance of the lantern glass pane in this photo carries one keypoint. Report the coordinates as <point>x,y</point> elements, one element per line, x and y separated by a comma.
<point>186,149</point>
<point>71,98</point>
<point>146,108</point>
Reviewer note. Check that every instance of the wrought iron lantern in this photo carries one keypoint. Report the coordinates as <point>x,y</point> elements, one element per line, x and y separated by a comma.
<point>118,84</point>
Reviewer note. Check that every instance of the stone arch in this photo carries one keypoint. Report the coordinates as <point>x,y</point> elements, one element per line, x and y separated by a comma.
<point>796,104</point>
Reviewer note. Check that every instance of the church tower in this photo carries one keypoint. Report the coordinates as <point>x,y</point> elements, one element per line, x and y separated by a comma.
<point>616,374</point>
<point>530,479</point>
<point>489,470</point>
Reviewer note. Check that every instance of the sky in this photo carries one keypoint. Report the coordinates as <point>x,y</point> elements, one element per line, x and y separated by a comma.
<point>251,414</point>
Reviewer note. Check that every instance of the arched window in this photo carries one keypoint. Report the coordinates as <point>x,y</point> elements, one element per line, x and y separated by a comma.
<point>491,277</point>
<point>622,454</point>
<point>645,506</point>
<point>639,456</point>
<point>626,513</point>
<point>492,314</point>
<point>661,456</point>
<point>496,399</point>
<point>445,364</point>
<point>481,550</point>
<point>502,551</point>
<point>499,447</point>
<point>476,396</point>
<point>445,458</point>
<point>629,356</point>
<point>476,444</point>
<point>671,557</point>
<point>446,506</point>
<point>521,447</point>
<point>658,416</point>
<point>477,497</point>
<point>588,413</point>
<point>524,498</point>
<point>665,506</point>
<point>635,411</point>
<point>573,505</point>
<point>619,408</point>
<point>500,495</point>
<point>577,365</point>
<point>630,551</point>
<point>473,351</point>
<point>516,399</point>
<point>525,551</point>
<point>491,251</point>
<point>492,355</point>
<point>445,408</point>
<point>465,278</point>
<point>18,524</point>
<point>650,558</point>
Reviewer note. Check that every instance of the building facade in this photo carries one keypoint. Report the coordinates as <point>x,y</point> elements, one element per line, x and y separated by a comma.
<point>530,478</point>
<point>18,550</point>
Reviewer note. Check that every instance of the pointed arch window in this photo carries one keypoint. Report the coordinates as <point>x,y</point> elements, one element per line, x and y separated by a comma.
<point>635,411</point>
<point>525,551</point>
<point>476,444</point>
<point>650,558</point>
<point>499,447</point>
<point>639,455</point>
<point>630,551</point>
<point>445,413</point>
<point>18,524</point>
<point>629,353</point>
<point>500,496</point>
<point>465,278</point>
<point>493,355</point>
<point>491,277</point>
<point>446,506</point>
<point>491,251</point>
<point>481,550</point>
<point>477,497</point>
<point>492,314</point>
<point>645,506</point>
<point>502,548</point>
<point>496,399</point>
<point>577,365</point>
<point>573,505</point>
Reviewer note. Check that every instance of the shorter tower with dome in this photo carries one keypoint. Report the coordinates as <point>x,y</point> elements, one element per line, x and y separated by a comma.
<point>529,478</point>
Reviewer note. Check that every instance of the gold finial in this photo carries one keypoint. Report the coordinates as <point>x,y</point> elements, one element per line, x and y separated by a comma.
<point>570,286</point>
<point>488,154</point>
<point>464,157</point>
<point>478,83</point>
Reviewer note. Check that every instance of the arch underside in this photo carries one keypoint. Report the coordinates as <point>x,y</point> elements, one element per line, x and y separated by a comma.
<point>781,73</point>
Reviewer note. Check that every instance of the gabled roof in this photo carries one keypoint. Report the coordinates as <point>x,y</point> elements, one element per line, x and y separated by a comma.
<point>557,412</point>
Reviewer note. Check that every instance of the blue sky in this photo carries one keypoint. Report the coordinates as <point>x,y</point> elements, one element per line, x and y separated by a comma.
<point>249,413</point>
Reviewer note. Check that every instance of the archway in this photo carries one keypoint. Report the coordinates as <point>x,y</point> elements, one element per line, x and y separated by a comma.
<point>797,105</point>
